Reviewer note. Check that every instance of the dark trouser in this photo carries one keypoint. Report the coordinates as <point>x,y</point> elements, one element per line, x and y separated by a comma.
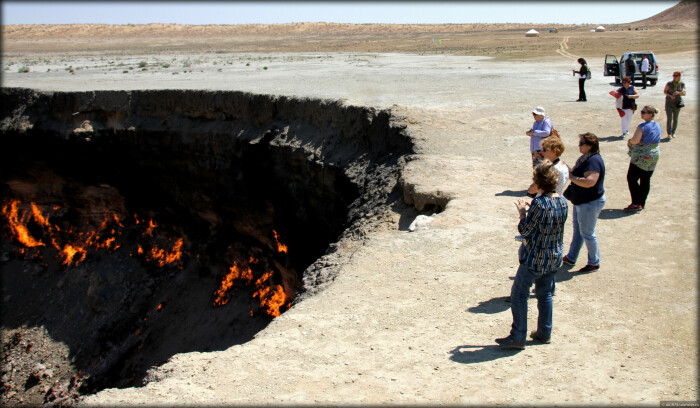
<point>631,75</point>
<point>639,182</point>
<point>644,79</point>
<point>581,90</point>
<point>672,112</point>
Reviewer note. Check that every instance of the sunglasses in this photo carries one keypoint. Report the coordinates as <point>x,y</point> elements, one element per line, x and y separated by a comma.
<point>645,112</point>
<point>582,143</point>
<point>676,75</point>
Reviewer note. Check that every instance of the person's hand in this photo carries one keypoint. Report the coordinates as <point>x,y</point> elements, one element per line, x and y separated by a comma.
<point>522,205</point>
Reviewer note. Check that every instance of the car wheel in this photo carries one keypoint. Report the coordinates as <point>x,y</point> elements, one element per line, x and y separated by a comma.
<point>652,82</point>
<point>617,80</point>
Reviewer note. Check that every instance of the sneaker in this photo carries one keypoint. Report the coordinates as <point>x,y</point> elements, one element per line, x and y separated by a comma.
<point>567,261</point>
<point>535,335</point>
<point>509,343</point>
<point>589,268</point>
<point>634,207</point>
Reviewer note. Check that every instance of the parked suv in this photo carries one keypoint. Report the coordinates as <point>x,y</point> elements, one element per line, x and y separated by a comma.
<point>616,69</point>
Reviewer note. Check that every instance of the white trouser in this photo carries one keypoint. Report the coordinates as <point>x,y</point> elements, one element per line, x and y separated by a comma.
<point>626,120</point>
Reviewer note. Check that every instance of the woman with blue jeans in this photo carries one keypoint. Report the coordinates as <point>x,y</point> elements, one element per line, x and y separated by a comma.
<point>587,194</point>
<point>542,227</point>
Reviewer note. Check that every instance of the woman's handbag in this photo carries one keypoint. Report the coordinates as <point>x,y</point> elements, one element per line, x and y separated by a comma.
<point>633,106</point>
<point>680,104</point>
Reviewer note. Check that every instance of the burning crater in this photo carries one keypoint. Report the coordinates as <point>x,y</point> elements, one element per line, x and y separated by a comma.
<point>137,225</point>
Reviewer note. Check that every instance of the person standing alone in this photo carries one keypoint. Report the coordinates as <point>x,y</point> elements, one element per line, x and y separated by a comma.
<point>582,77</point>
<point>674,90</point>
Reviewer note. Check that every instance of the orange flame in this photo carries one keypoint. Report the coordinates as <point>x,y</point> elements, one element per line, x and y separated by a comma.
<point>76,246</point>
<point>235,272</point>
<point>272,297</point>
<point>69,252</point>
<point>164,257</point>
<point>17,224</point>
<point>151,228</point>
<point>282,248</point>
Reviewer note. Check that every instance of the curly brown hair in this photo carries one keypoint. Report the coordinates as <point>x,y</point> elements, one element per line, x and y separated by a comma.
<point>553,144</point>
<point>545,175</point>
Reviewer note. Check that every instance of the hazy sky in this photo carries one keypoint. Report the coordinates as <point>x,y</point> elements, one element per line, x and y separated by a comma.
<point>273,12</point>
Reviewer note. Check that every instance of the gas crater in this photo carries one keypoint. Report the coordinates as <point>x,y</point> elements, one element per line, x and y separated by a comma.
<point>141,224</point>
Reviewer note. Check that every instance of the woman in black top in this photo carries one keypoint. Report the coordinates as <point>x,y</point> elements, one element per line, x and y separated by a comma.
<point>582,76</point>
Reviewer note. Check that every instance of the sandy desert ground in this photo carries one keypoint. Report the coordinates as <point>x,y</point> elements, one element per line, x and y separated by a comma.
<point>412,316</point>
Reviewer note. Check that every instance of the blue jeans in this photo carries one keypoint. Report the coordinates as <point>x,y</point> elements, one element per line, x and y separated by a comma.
<point>585,218</point>
<point>544,285</point>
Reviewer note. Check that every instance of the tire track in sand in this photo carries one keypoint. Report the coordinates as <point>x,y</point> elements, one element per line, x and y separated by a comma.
<point>563,46</point>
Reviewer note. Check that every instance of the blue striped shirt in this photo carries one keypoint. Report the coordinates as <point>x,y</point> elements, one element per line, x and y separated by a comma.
<point>543,230</point>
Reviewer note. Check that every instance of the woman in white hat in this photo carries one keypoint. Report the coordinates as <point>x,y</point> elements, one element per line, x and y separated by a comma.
<point>540,129</point>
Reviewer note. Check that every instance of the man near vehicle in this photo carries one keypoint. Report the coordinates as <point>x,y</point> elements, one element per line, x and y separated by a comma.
<point>630,68</point>
<point>645,68</point>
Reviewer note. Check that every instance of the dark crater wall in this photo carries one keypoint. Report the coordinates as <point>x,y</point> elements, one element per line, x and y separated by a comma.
<point>222,170</point>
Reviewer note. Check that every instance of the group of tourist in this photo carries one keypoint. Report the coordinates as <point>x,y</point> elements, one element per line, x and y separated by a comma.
<point>543,215</point>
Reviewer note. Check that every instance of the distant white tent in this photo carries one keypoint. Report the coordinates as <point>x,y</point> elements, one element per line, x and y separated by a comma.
<point>532,33</point>
<point>600,28</point>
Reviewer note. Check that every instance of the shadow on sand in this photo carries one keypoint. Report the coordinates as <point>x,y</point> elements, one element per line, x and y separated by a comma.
<point>511,193</point>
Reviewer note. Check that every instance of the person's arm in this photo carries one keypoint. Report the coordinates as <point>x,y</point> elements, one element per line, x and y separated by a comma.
<point>587,181</point>
<point>528,218</point>
<point>546,129</point>
<point>682,92</point>
<point>635,95</point>
<point>666,92</point>
<point>636,138</point>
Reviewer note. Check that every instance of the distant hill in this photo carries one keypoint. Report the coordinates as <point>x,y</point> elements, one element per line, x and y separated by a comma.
<point>685,12</point>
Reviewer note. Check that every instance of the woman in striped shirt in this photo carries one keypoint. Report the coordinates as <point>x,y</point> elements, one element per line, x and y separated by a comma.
<point>542,227</point>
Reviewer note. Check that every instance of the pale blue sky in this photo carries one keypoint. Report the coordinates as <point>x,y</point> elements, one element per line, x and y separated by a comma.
<point>357,12</point>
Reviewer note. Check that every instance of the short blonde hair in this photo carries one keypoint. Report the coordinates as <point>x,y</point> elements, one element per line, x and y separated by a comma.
<point>545,175</point>
<point>553,144</point>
